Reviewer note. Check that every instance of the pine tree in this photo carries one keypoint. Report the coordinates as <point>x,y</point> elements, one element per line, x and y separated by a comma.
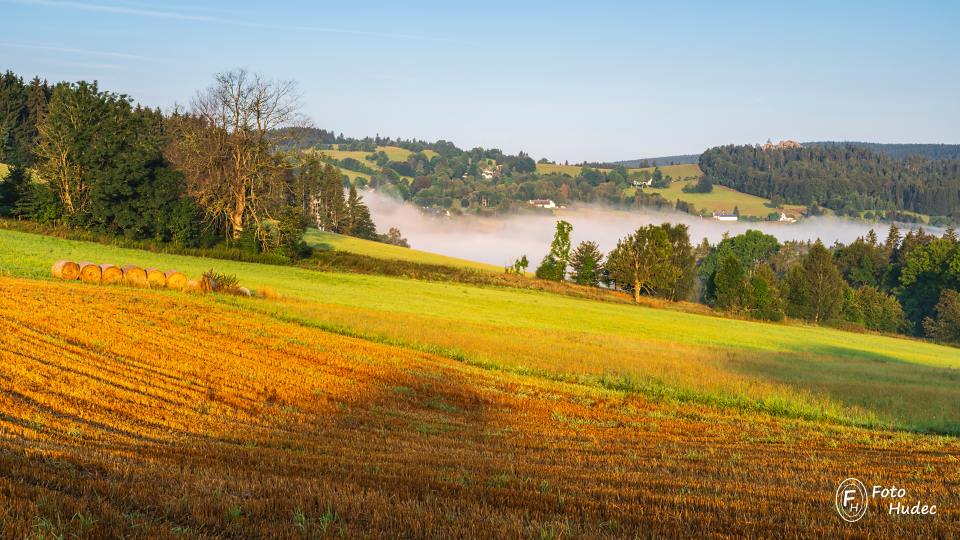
<point>731,284</point>
<point>815,287</point>
<point>358,222</point>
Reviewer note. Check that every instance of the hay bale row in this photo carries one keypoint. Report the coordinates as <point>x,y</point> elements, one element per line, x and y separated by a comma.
<point>128,274</point>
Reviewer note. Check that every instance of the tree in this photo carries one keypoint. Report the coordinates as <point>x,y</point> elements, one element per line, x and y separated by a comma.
<point>750,248</point>
<point>814,287</point>
<point>635,262</point>
<point>675,282</point>
<point>228,144</point>
<point>764,296</point>
<point>659,180</point>
<point>946,325</point>
<point>586,263</point>
<point>394,237</point>
<point>877,310</point>
<point>69,137</point>
<point>861,263</point>
<point>519,266</point>
<point>926,268</point>
<point>554,265</point>
<point>359,222</point>
<point>731,285</point>
<point>331,205</point>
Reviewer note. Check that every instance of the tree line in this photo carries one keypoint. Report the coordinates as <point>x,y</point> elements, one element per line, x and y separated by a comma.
<point>907,283</point>
<point>224,170</point>
<point>848,179</point>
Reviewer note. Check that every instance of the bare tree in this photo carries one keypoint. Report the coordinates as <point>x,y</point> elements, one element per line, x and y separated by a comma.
<point>228,145</point>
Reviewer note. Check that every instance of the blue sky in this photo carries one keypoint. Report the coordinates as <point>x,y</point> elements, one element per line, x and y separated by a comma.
<point>568,81</point>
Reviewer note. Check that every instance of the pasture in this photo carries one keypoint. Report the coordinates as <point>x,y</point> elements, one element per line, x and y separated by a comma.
<point>338,242</point>
<point>721,198</point>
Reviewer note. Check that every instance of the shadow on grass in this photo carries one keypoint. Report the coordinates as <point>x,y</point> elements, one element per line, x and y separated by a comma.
<point>895,392</point>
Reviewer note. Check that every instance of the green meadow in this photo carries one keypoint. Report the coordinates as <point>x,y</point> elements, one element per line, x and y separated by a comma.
<point>720,199</point>
<point>379,250</point>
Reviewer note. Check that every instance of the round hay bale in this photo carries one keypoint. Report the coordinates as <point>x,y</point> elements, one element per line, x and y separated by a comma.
<point>176,280</point>
<point>200,286</point>
<point>90,272</point>
<point>156,278</point>
<point>243,291</point>
<point>110,274</point>
<point>134,275</point>
<point>68,270</point>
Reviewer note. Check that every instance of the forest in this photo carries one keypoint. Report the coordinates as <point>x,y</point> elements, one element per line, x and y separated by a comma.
<point>215,173</point>
<point>847,179</point>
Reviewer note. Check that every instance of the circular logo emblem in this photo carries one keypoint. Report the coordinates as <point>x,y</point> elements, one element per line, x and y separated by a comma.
<point>851,500</point>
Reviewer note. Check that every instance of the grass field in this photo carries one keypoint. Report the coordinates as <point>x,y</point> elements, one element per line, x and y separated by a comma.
<point>721,198</point>
<point>676,171</point>
<point>357,405</point>
<point>327,240</point>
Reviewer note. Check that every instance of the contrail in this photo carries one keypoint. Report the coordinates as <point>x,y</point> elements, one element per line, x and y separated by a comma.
<point>160,14</point>
<point>72,50</point>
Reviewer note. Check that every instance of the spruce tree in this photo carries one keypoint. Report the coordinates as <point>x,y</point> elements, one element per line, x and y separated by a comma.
<point>815,287</point>
<point>358,222</point>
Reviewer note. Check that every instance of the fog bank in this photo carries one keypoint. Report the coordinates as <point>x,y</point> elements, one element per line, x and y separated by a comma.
<point>500,240</point>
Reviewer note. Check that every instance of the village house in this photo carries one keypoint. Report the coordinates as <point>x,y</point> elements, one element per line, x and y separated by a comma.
<point>724,216</point>
<point>543,203</point>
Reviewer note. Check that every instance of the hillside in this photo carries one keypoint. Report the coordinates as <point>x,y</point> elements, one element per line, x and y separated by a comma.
<point>179,416</point>
<point>681,159</point>
<point>720,199</point>
<point>809,371</point>
<point>342,404</point>
<point>846,179</point>
<point>327,240</point>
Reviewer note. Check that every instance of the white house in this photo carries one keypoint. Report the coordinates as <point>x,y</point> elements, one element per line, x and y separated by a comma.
<point>723,216</point>
<point>787,219</point>
<point>641,183</point>
<point>543,203</point>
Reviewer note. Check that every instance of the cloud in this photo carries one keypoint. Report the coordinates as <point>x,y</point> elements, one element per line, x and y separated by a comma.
<point>500,240</point>
<point>194,17</point>
<point>71,50</point>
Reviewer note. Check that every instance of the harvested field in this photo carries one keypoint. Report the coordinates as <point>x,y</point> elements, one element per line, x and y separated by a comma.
<point>220,422</point>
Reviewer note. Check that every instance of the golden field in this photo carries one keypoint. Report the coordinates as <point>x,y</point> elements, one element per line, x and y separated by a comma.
<point>150,414</point>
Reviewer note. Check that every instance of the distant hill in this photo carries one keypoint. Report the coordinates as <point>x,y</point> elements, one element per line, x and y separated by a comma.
<point>898,151</point>
<point>895,150</point>
<point>656,161</point>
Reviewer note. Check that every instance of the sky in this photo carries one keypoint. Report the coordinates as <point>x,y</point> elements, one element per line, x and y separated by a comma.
<point>569,81</point>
